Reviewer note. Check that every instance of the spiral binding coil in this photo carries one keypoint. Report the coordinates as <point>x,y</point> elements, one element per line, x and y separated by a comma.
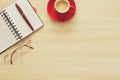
<point>11,25</point>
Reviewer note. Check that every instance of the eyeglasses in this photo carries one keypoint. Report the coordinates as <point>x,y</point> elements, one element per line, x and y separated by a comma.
<point>15,51</point>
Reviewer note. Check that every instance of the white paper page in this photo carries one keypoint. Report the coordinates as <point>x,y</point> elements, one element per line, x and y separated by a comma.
<point>7,39</point>
<point>31,15</point>
<point>22,26</point>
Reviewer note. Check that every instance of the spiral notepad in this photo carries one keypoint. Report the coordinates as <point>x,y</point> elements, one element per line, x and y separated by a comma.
<point>13,27</point>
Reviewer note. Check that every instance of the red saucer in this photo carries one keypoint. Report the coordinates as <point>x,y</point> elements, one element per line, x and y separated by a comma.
<point>54,14</point>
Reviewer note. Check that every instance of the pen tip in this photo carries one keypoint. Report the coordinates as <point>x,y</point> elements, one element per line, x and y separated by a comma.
<point>16,4</point>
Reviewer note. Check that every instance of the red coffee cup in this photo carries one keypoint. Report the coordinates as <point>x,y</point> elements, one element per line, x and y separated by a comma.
<point>61,10</point>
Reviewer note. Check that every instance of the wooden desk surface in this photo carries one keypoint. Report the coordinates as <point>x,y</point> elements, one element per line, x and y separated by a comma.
<point>85,48</point>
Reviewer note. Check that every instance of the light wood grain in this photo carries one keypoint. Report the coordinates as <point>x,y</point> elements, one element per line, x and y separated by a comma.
<point>85,48</point>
